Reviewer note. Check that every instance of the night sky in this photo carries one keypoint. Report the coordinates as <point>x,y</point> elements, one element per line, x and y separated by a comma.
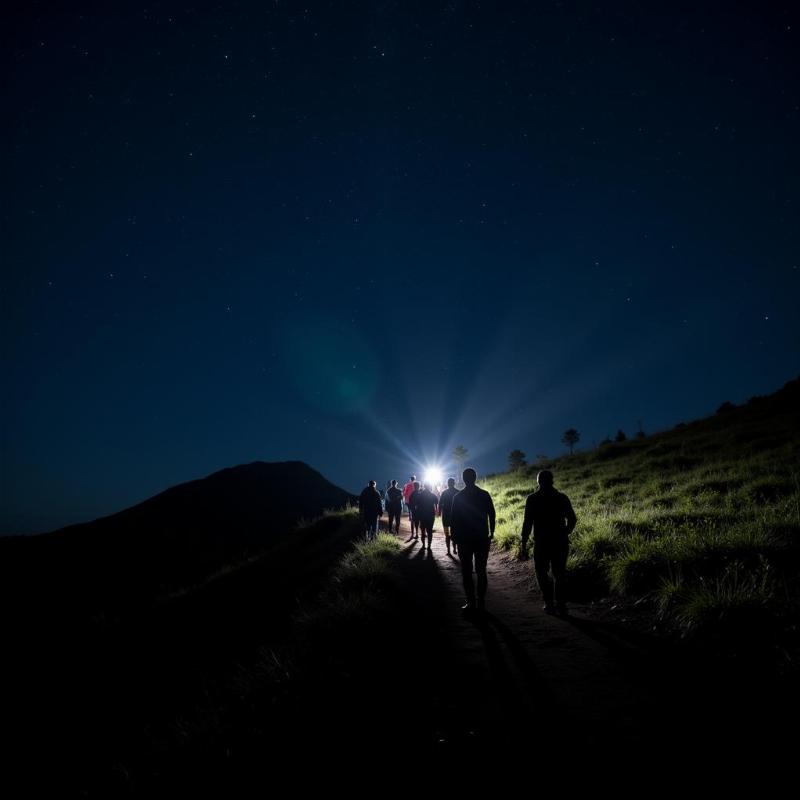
<point>358,234</point>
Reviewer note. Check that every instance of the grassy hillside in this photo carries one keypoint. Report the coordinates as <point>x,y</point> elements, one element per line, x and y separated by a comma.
<point>702,522</point>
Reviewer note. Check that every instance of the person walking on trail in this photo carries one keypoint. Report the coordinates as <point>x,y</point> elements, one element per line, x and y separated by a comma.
<point>446,511</point>
<point>394,506</point>
<point>425,505</point>
<point>412,509</point>
<point>369,504</point>
<point>549,514</point>
<point>408,490</point>
<point>472,522</point>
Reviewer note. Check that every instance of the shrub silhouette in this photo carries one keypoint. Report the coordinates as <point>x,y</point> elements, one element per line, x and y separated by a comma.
<point>570,438</point>
<point>460,455</point>
<point>516,459</point>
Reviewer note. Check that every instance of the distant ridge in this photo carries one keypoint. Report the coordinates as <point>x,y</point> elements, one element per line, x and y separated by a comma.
<point>176,537</point>
<point>247,500</point>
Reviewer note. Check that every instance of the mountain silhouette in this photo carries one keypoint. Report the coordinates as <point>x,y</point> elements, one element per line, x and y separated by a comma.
<point>171,540</point>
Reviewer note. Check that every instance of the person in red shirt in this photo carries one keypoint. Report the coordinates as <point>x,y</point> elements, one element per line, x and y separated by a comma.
<point>408,490</point>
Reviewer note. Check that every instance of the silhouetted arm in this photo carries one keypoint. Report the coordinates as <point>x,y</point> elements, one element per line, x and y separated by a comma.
<point>569,514</point>
<point>492,516</point>
<point>527,522</point>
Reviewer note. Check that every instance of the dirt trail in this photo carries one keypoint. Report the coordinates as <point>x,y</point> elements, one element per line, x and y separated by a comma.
<point>520,678</point>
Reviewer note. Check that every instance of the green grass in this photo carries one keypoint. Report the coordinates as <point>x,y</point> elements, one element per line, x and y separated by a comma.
<point>358,587</point>
<point>737,595</point>
<point>367,566</point>
<point>704,518</point>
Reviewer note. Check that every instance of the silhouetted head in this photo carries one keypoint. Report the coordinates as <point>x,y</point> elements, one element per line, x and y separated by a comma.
<point>372,484</point>
<point>469,476</point>
<point>394,483</point>
<point>416,484</point>
<point>426,486</point>
<point>413,478</point>
<point>545,479</point>
<point>451,482</point>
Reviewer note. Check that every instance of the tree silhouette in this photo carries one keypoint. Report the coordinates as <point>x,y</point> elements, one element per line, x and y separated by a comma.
<point>620,437</point>
<point>570,438</point>
<point>460,454</point>
<point>516,459</point>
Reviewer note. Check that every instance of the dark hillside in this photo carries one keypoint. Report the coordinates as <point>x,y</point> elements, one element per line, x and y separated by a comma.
<point>85,696</point>
<point>178,537</point>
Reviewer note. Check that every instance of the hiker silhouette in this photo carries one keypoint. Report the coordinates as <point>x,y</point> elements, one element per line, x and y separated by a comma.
<point>394,505</point>
<point>371,508</point>
<point>446,511</point>
<point>472,521</point>
<point>408,490</point>
<point>425,504</point>
<point>549,514</point>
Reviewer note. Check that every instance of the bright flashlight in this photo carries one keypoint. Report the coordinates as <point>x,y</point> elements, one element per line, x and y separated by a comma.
<point>434,476</point>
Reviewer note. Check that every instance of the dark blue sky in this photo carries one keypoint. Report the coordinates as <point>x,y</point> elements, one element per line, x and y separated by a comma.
<point>357,234</point>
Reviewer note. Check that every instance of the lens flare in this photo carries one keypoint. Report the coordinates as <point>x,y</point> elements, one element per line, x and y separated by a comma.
<point>433,475</point>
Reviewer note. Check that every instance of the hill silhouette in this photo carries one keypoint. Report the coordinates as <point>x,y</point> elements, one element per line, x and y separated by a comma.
<point>174,539</point>
<point>116,628</point>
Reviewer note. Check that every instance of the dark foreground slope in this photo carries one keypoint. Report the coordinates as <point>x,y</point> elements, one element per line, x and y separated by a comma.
<point>176,538</point>
<point>380,677</point>
<point>117,631</point>
<point>94,707</point>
